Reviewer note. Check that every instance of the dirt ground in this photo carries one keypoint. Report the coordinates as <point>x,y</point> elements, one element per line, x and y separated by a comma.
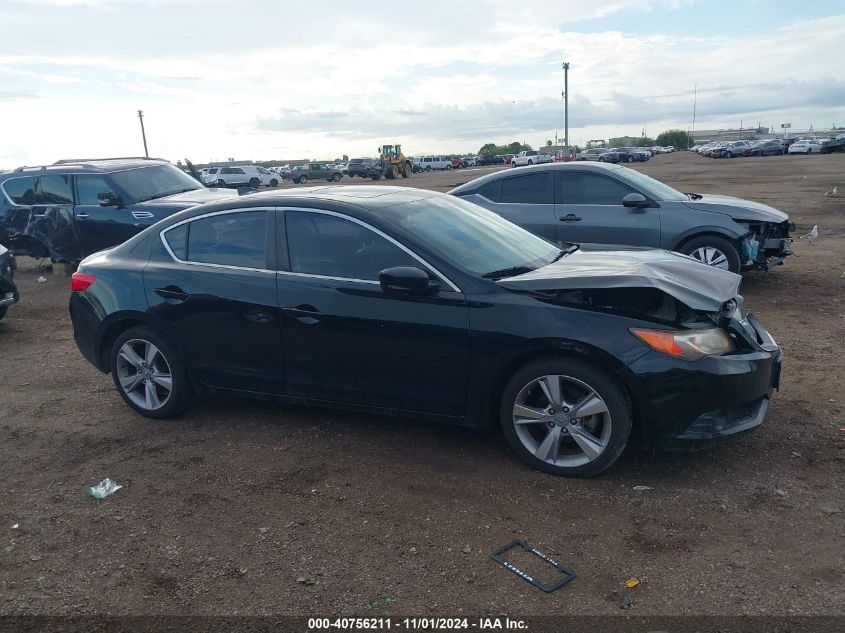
<point>240,507</point>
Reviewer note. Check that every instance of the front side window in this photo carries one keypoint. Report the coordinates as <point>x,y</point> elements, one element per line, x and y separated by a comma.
<point>587,188</point>
<point>230,239</point>
<point>88,186</point>
<point>21,190</point>
<point>330,246</point>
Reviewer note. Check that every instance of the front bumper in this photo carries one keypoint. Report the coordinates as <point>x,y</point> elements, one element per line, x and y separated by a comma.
<point>684,405</point>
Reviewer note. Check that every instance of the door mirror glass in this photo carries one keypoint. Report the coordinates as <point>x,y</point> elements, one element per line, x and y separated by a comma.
<point>635,200</point>
<point>109,199</point>
<point>406,279</point>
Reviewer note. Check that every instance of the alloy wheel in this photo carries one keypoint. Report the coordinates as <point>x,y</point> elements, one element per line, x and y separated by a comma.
<point>144,374</point>
<point>711,256</point>
<point>562,420</point>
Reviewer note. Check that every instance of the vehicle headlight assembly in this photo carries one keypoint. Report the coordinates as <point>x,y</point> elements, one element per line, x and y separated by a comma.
<point>687,344</point>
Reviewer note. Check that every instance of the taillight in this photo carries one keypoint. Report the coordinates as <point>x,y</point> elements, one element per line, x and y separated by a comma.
<point>81,281</point>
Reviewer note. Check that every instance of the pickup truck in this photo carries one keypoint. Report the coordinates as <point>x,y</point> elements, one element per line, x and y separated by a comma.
<point>530,157</point>
<point>315,171</point>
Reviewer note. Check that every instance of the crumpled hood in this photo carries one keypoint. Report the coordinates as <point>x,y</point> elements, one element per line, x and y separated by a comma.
<point>197,196</point>
<point>738,208</point>
<point>699,286</point>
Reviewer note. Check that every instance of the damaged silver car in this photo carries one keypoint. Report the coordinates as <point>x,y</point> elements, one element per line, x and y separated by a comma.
<point>591,203</point>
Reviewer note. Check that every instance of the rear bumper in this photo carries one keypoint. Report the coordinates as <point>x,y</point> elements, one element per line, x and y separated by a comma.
<point>691,405</point>
<point>85,324</point>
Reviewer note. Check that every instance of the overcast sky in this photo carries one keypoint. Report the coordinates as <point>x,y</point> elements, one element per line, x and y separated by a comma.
<point>259,80</point>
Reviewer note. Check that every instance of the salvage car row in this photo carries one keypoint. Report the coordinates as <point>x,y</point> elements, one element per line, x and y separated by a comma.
<point>475,308</point>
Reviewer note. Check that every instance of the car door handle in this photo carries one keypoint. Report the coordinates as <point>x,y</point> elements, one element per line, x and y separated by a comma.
<point>304,313</point>
<point>570,217</point>
<point>81,216</point>
<point>142,215</point>
<point>172,293</point>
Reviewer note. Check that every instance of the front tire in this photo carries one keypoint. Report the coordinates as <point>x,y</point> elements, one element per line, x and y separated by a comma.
<point>566,417</point>
<point>336,178</point>
<point>302,180</point>
<point>713,251</point>
<point>149,374</point>
<point>274,183</point>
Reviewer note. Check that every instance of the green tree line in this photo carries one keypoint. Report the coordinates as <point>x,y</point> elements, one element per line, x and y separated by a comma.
<point>491,149</point>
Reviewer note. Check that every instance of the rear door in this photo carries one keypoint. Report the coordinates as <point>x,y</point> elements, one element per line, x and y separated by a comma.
<point>589,210</point>
<point>43,210</point>
<point>214,284</point>
<point>526,199</point>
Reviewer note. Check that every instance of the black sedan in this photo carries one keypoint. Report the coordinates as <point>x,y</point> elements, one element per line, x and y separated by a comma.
<point>407,302</point>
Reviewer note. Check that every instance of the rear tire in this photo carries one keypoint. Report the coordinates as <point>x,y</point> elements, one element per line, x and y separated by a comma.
<point>255,183</point>
<point>220,183</point>
<point>714,251</point>
<point>302,180</point>
<point>153,380</point>
<point>582,446</point>
<point>406,171</point>
<point>274,183</point>
<point>336,178</point>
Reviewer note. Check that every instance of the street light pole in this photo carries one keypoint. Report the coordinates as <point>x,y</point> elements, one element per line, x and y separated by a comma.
<point>143,133</point>
<point>566,103</point>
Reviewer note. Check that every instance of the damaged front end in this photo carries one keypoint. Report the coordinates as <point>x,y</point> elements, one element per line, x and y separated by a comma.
<point>767,244</point>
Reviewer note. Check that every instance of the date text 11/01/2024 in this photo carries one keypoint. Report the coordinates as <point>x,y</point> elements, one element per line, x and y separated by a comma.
<point>416,624</point>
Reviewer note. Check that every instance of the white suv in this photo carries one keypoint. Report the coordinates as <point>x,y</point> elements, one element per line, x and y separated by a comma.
<point>427,163</point>
<point>239,176</point>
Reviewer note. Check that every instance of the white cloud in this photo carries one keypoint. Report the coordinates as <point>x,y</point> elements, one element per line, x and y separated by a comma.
<point>445,76</point>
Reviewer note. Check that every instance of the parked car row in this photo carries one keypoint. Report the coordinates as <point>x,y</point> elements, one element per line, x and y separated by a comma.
<point>767,147</point>
<point>239,176</point>
<point>536,298</point>
<point>616,154</point>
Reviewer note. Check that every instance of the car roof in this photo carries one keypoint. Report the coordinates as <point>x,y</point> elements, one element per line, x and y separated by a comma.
<point>367,196</point>
<point>595,167</point>
<point>89,165</point>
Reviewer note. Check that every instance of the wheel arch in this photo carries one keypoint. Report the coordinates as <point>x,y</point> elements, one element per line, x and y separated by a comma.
<point>117,324</point>
<point>707,231</point>
<point>553,350</point>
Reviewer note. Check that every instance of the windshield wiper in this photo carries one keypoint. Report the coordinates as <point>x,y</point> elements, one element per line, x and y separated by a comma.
<point>566,251</point>
<point>513,271</point>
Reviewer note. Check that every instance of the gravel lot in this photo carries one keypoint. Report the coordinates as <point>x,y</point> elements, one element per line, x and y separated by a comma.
<point>241,507</point>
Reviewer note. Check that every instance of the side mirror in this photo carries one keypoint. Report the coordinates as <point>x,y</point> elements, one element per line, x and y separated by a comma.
<point>405,279</point>
<point>635,200</point>
<point>109,199</point>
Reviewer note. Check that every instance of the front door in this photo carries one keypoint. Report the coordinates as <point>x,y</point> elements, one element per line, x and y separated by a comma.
<point>102,227</point>
<point>215,288</point>
<point>346,340</point>
<point>589,210</point>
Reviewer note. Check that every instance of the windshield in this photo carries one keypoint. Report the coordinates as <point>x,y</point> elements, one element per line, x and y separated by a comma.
<point>654,188</point>
<point>470,237</point>
<point>147,183</point>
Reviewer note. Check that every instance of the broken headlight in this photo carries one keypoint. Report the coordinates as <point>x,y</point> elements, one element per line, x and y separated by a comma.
<point>687,344</point>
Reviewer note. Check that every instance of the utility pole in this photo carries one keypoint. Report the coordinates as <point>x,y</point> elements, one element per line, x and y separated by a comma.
<point>143,133</point>
<point>565,95</point>
<point>694,103</point>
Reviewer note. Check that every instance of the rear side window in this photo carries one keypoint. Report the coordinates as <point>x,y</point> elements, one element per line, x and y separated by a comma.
<point>528,189</point>
<point>87,188</point>
<point>54,190</point>
<point>20,190</point>
<point>231,239</point>
<point>330,246</point>
<point>587,188</point>
<point>177,240</point>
